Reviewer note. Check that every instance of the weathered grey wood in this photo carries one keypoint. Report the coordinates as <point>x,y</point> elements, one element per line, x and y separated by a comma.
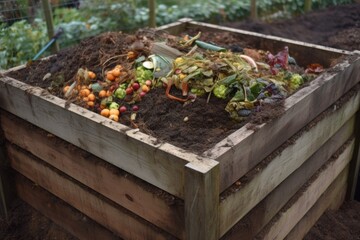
<point>59,212</point>
<point>235,206</point>
<point>96,174</point>
<point>152,13</point>
<point>355,163</point>
<point>160,164</point>
<point>202,200</point>
<point>332,198</point>
<point>110,215</point>
<point>49,23</point>
<point>6,191</point>
<point>175,28</point>
<point>245,148</point>
<point>249,226</point>
<point>288,218</point>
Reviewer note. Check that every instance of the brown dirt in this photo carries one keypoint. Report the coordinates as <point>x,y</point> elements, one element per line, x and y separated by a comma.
<point>343,223</point>
<point>336,27</point>
<point>25,223</point>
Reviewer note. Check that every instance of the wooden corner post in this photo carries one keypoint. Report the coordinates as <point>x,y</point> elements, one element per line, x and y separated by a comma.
<point>202,200</point>
<point>6,191</point>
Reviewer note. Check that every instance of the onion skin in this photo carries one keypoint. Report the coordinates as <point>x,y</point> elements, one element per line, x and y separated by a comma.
<point>250,61</point>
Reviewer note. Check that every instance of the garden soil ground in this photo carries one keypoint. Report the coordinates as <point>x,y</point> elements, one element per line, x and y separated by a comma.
<point>337,27</point>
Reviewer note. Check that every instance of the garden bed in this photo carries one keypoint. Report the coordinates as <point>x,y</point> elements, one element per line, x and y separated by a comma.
<point>177,173</point>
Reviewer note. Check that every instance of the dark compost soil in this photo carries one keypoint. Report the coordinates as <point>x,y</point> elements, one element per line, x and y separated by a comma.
<point>337,27</point>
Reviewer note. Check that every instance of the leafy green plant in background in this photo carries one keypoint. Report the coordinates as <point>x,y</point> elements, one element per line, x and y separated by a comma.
<point>22,40</point>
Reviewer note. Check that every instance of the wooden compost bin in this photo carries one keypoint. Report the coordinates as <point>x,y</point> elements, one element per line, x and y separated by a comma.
<point>102,180</point>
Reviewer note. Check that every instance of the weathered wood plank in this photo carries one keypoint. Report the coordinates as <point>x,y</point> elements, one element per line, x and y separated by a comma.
<point>59,212</point>
<point>160,164</point>
<point>97,174</point>
<point>202,200</point>
<point>355,163</point>
<point>245,148</point>
<point>108,214</point>
<point>287,219</point>
<point>331,199</point>
<point>175,28</point>
<point>234,207</point>
<point>6,191</point>
<point>261,214</point>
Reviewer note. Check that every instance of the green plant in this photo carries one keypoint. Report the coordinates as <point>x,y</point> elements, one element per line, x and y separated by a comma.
<point>20,42</point>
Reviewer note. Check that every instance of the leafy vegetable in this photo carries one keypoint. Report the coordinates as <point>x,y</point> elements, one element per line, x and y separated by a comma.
<point>220,91</point>
<point>142,74</point>
<point>295,81</point>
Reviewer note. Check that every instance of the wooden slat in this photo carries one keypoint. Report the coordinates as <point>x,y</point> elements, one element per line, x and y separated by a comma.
<point>355,163</point>
<point>6,191</point>
<point>234,207</point>
<point>96,174</point>
<point>160,164</point>
<point>286,220</point>
<point>245,148</point>
<point>175,28</point>
<point>59,212</point>
<point>331,199</point>
<point>103,211</point>
<point>202,200</point>
<point>261,214</point>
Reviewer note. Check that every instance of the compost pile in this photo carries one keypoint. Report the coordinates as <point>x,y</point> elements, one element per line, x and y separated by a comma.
<point>179,89</point>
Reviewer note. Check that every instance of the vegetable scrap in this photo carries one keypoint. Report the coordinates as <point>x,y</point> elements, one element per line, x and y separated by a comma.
<point>247,80</point>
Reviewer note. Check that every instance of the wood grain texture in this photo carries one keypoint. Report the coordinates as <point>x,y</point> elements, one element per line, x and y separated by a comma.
<point>59,212</point>
<point>202,200</point>
<point>106,213</point>
<point>355,163</point>
<point>249,226</point>
<point>245,148</point>
<point>287,219</point>
<point>332,198</point>
<point>160,164</point>
<point>96,174</point>
<point>237,205</point>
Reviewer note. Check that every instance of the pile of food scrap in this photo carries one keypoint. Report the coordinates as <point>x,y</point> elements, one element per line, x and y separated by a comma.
<point>188,68</point>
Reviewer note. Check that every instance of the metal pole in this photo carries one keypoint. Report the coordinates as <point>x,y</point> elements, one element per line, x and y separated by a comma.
<point>152,13</point>
<point>49,23</point>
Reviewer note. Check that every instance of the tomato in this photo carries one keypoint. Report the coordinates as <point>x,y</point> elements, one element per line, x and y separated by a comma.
<point>135,108</point>
<point>148,83</point>
<point>135,86</point>
<point>123,109</point>
<point>129,91</point>
<point>145,88</point>
<point>142,94</point>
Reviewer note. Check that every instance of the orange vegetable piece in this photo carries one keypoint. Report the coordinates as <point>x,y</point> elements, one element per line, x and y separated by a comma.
<point>105,112</point>
<point>116,72</point>
<point>102,94</point>
<point>114,117</point>
<point>145,88</point>
<point>66,88</point>
<point>114,112</point>
<point>110,76</point>
<point>91,97</point>
<point>91,74</point>
<point>90,103</point>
